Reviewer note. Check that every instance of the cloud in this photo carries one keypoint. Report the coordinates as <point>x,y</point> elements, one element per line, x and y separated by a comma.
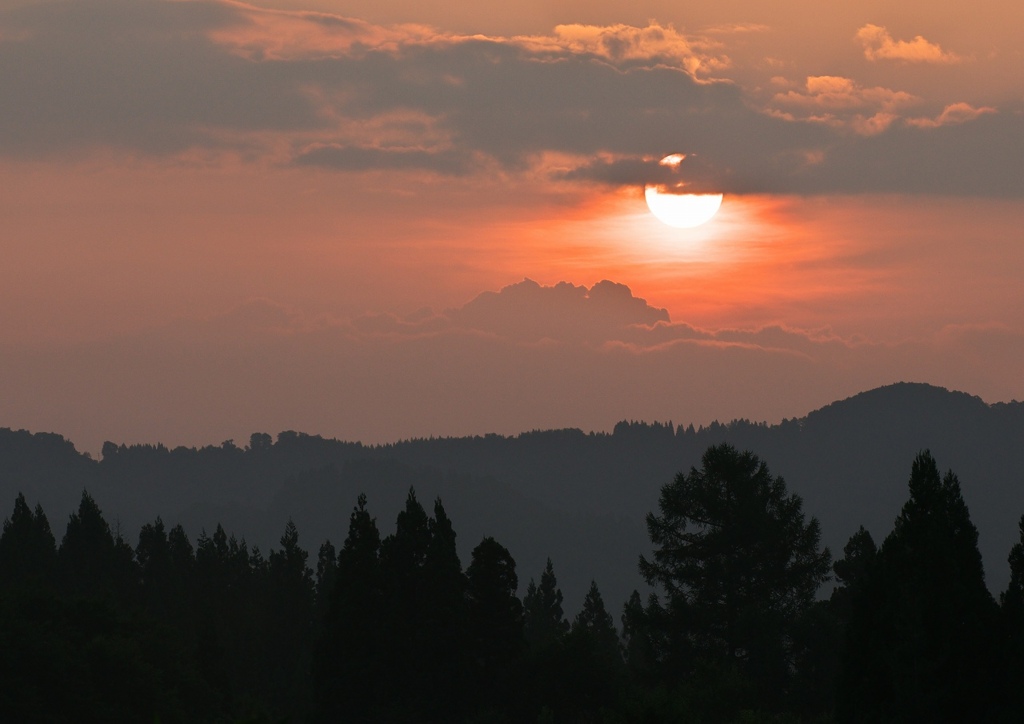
<point>953,114</point>
<point>525,357</point>
<point>627,45</point>
<point>841,102</point>
<point>528,311</point>
<point>878,44</point>
<point>354,158</point>
<point>208,78</point>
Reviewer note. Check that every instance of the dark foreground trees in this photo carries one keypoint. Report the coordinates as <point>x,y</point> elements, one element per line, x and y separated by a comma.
<point>393,629</point>
<point>921,640</point>
<point>739,566</point>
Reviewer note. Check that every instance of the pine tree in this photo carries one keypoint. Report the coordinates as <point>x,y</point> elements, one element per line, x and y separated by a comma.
<point>1012,629</point>
<point>288,597</point>
<point>738,565</point>
<point>639,647</point>
<point>597,623</point>
<point>544,621</point>
<point>91,561</point>
<point>851,572</point>
<point>444,651</point>
<point>920,638</point>
<point>593,668</point>
<point>349,667</point>
<point>27,548</point>
<point>326,579</point>
<point>494,624</point>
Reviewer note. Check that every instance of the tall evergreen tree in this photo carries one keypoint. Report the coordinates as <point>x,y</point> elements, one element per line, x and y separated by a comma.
<point>544,620</point>
<point>326,579</point>
<point>593,669</point>
<point>28,550</point>
<point>639,647</point>
<point>598,624</point>
<point>495,625</point>
<point>851,571</point>
<point>920,638</point>
<point>349,667</point>
<point>92,562</point>
<point>1012,618</point>
<point>288,637</point>
<point>153,554</point>
<point>403,640</point>
<point>444,651</point>
<point>738,565</point>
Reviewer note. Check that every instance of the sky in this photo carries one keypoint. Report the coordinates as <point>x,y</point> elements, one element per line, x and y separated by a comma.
<point>393,219</point>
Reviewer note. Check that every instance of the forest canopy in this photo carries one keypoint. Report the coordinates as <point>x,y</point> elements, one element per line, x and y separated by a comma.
<point>396,627</point>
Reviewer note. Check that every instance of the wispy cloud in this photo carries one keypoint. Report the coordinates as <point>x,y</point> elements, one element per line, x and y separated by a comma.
<point>953,114</point>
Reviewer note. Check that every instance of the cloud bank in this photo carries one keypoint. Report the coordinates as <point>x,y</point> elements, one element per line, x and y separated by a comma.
<point>207,81</point>
<point>525,357</point>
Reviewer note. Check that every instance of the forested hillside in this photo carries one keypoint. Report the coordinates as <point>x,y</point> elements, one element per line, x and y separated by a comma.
<point>575,497</point>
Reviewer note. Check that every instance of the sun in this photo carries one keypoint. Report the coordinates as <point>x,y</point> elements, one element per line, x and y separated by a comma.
<point>681,210</point>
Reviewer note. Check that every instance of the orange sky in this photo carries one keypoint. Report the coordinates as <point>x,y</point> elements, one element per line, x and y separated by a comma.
<point>221,218</point>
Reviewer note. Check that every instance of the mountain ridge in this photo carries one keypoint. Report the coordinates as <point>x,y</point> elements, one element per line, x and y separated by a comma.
<point>577,497</point>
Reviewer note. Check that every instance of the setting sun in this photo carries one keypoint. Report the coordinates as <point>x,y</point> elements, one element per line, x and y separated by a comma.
<point>683,211</point>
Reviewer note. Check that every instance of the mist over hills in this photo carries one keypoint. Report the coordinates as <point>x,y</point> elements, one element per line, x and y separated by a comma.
<point>577,497</point>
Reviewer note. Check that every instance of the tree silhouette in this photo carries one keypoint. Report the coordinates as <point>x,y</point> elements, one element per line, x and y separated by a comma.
<point>1012,620</point>
<point>444,651</point>
<point>349,666</point>
<point>597,623</point>
<point>595,654</point>
<point>288,615</point>
<point>921,634</point>
<point>544,620</point>
<point>27,548</point>
<point>326,579</point>
<point>738,565</point>
<point>91,561</point>
<point>495,625</point>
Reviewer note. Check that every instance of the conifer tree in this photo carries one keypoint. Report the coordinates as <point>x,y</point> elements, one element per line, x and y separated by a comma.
<point>639,648</point>
<point>544,621</point>
<point>326,578</point>
<point>288,615</point>
<point>27,548</point>
<point>593,667</point>
<point>495,624</point>
<point>920,638</point>
<point>153,554</point>
<point>1012,629</point>
<point>349,665</point>
<point>738,565</point>
<point>91,561</point>
<point>598,624</point>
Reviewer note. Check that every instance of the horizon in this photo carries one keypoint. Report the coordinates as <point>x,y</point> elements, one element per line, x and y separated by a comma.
<point>674,426</point>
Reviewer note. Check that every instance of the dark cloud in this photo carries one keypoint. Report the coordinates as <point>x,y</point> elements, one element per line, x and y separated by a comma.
<point>528,311</point>
<point>158,77</point>
<point>134,74</point>
<point>355,158</point>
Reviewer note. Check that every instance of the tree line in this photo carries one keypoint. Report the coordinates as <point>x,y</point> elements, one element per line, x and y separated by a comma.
<point>395,629</point>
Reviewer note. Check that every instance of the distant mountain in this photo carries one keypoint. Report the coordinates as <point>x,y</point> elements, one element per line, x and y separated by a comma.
<point>578,498</point>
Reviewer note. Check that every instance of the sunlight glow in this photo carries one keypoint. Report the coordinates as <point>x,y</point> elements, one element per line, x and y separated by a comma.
<point>683,211</point>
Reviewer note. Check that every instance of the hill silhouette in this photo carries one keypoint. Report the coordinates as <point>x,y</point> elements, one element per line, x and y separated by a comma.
<point>578,498</point>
